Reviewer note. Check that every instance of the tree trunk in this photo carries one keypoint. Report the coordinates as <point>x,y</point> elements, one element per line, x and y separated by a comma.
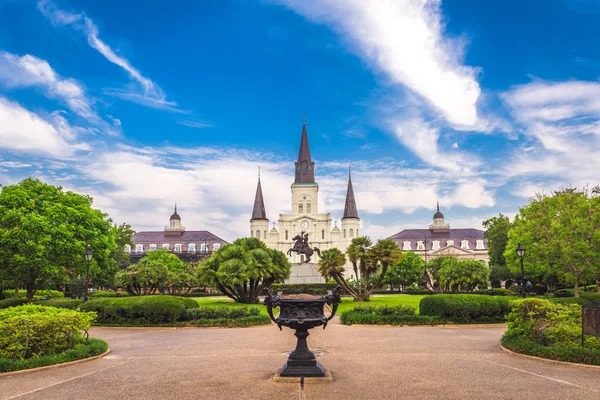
<point>16,290</point>
<point>384,268</point>
<point>355,266</point>
<point>576,286</point>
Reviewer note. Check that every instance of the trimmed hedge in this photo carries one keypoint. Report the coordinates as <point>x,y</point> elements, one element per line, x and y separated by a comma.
<point>71,304</point>
<point>12,302</point>
<point>143,310</point>
<point>301,288</point>
<point>572,353</point>
<point>387,315</point>
<point>221,312</point>
<point>92,347</point>
<point>104,294</point>
<point>242,322</point>
<point>39,294</point>
<point>496,292</point>
<point>466,307</point>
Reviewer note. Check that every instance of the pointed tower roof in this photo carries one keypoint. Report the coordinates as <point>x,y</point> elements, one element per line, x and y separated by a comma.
<point>175,215</point>
<point>350,210</point>
<point>438,214</point>
<point>305,167</point>
<point>258,212</point>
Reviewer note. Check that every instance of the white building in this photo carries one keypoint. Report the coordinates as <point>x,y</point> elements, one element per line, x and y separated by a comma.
<point>305,216</point>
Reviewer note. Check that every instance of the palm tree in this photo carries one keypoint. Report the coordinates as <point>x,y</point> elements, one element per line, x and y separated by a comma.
<point>384,253</point>
<point>358,253</point>
<point>331,265</point>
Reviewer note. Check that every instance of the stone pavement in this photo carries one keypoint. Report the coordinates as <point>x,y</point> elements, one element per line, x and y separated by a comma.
<point>365,362</point>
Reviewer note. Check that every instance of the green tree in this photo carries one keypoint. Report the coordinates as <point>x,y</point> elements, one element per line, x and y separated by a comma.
<point>406,272</point>
<point>331,265</point>
<point>385,253</point>
<point>123,234</point>
<point>561,233</point>
<point>44,231</point>
<point>463,275</point>
<point>242,269</point>
<point>496,233</point>
<point>358,253</point>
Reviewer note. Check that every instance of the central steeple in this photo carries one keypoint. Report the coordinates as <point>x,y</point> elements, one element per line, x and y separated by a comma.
<point>305,167</point>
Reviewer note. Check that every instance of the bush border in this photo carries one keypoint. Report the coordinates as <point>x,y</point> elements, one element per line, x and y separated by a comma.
<point>57,365</point>
<point>506,346</point>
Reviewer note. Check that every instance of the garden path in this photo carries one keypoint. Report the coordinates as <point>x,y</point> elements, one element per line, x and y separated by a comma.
<point>366,362</point>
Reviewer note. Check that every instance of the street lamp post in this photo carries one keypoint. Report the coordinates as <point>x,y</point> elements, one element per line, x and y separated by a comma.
<point>88,257</point>
<point>521,253</point>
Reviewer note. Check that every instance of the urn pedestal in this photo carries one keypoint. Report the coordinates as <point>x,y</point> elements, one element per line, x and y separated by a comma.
<point>302,315</point>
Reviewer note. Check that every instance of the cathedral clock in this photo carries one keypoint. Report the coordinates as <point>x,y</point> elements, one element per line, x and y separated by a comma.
<point>304,224</point>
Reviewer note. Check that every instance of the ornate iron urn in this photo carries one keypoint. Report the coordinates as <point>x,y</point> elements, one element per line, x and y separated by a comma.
<point>302,315</point>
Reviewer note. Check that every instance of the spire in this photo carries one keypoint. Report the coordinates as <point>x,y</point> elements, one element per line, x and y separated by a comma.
<point>305,167</point>
<point>350,210</point>
<point>175,215</point>
<point>258,212</point>
<point>438,214</point>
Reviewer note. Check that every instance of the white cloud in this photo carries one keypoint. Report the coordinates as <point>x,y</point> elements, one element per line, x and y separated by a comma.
<point>405,39</point>
<point>152,95</point>
<point>195,124</point>
<point>24,131</point>
<point>27,70</point>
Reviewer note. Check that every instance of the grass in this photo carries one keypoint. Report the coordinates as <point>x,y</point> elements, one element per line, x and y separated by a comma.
<point>347,303</point>
<point>92,347</point>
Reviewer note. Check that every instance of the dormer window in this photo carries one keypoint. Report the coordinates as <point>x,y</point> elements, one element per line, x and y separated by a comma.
<point>192,247</point>
<point>450,243</point>
<point>139,248</point>
<point>420,245</point>
<point>436,245</point>
<point>152,247</point>
<point>165,246</point>
<point>406,245</point>
<point>464,244</point>
<point>216,246</point>
<point>178,248</point>
<point>203,248</point>
<point>127,248</point>
<point>479,245</point>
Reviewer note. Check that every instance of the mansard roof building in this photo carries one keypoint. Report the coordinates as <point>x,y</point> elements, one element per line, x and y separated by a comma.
<point>441,240</point>
<point>187,245</point>
<point>305,216</point>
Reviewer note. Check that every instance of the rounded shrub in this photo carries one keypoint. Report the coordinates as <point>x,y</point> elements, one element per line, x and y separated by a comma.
<point>12,302</point>
<point>33,330</point>
<point>142,310</point>
<point>71,304</point>
<point>466,307</point>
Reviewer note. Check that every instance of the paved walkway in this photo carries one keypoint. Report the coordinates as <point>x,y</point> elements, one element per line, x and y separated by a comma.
<point>366,363</point>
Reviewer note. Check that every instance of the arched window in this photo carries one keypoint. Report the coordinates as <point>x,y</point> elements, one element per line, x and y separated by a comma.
<point>165,246</point>
<point>216,246</point>
<point>258,234</point>
<point>308,211</point>
<point>344,234</point>
<point>265,234</point>
<point>152,247</point>
<point>286,235</point>
<point>301,208</point>
<point>406,245</point>
<point>139,248</point>
<point>351,232</point>
<point>127,248</point>
<point>192,247</point>
<point>323,234</point>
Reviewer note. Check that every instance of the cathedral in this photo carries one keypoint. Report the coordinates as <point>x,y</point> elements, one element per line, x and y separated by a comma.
<point>305,217</point>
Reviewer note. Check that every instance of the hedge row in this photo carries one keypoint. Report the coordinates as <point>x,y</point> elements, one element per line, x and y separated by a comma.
<point>351,317</point>
<point>221,312</point>
<point>39,294</point>
<point>140,310</point>
<point>105,293</point>
<point>466,308</point>
<point>299,288</point>
<point>92,347</point>
<point>576,354</point>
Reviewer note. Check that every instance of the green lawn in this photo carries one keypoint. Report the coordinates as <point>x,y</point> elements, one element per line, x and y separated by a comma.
<point>347,303</point>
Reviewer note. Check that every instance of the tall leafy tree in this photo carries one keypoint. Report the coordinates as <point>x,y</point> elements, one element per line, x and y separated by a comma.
<point>358,253</point>
<point>496,232</point>
<point>44,231</point>
<point>242,269</point>
<point>406,272</point>
<point>385,253</point>
<point>561,233</point>
<point>463,275</point>
<point>331,265</point>
<point>123,234</point>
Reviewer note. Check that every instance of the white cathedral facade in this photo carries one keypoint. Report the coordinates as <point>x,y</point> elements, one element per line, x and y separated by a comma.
<point>305,216</point>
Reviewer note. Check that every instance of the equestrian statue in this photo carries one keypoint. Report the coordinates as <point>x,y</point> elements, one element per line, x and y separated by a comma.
<point>301,247</point>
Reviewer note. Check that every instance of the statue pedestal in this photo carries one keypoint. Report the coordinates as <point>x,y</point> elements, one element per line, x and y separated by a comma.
<point>305,273</point>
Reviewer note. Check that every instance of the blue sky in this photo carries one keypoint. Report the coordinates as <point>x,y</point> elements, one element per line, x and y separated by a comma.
<point>143,104</point>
